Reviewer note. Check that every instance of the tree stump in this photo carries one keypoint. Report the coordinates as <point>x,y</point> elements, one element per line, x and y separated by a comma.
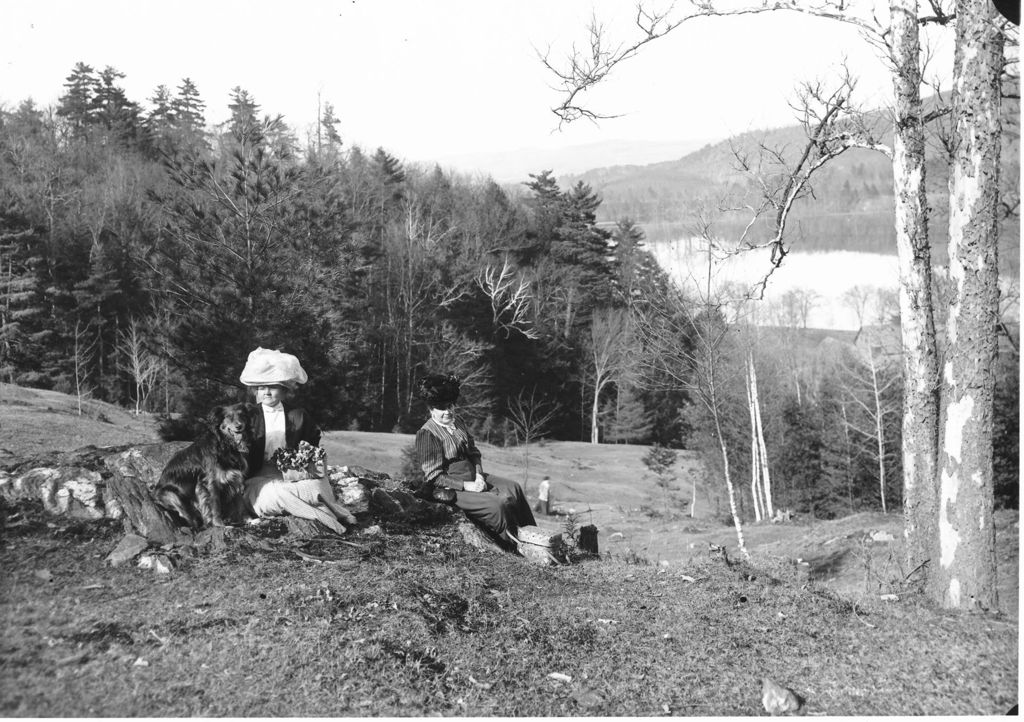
<point>141,513</point>
<point>587,543</point>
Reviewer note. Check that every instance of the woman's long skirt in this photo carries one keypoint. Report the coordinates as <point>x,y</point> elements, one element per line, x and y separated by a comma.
<point>501,508</point>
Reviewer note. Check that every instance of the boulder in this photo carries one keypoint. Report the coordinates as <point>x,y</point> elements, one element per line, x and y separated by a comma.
<point>144,462</point>
<point>127,549</point>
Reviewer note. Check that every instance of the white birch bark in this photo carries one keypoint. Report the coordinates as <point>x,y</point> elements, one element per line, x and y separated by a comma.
<point>879,426</point>
<point>766,479</point>
<point>755,464</point>
<point>920,363</point>
<point>964,576</point>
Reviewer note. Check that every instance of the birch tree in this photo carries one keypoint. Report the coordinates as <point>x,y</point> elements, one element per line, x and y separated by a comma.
<point>142,366</point>
<point>760,476</point>
<point>83,352</point>
<point>868,382</point>
<point>964,576</point>
<point>611,340</point>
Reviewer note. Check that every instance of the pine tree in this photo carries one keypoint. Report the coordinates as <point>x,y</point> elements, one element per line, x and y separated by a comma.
<point>115,112</point>
<point>244,111</point>
<point>626,419</point>
<point>161,119</point>
<point>79,104</point>
<point>639,273</point>
<point>189,120</point>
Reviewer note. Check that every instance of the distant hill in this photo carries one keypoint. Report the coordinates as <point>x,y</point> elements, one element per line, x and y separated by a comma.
<point>852,207</point>
<point>513,167</point>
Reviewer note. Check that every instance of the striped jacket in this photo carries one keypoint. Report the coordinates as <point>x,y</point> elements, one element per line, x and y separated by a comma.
<point>447,460</point>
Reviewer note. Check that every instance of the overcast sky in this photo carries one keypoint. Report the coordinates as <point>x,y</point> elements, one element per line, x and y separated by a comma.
<point>429,79</point>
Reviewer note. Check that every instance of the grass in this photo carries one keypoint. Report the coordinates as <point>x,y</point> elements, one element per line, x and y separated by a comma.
<point>413,623</point>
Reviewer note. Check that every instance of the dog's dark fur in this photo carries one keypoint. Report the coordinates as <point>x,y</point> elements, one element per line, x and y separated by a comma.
<point>202,483</point>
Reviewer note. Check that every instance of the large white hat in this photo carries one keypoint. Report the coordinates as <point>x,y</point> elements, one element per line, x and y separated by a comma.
<point>266,367</point>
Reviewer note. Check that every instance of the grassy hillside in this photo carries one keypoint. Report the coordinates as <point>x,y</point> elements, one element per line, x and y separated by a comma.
<point>35,421</point>
<point>604,485</point>
<point>398,619</point>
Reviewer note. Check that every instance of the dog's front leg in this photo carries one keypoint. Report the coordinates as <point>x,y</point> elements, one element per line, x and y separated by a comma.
<point>209,503</point>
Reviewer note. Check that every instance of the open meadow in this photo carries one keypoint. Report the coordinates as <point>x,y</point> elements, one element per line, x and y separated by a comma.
<point>398,620</point>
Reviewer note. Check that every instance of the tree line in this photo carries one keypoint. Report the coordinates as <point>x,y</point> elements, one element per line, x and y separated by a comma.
<point>144,253</point>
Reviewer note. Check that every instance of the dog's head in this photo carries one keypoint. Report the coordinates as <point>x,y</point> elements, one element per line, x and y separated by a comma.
<point>233,424</point>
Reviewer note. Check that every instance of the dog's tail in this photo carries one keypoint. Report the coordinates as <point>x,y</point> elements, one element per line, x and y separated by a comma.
<point>169,499</point>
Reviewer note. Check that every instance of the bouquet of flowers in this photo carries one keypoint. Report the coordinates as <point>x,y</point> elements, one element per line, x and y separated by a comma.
<point>290,461</point>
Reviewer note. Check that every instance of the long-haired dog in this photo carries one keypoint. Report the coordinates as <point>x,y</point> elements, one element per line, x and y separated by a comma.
<point>202,483</point>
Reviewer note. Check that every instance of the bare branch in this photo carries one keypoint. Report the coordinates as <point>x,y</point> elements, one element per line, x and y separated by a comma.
<point>585,68</point>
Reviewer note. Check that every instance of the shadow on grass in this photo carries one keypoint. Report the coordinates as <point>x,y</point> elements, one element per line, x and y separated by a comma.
<point>826,566</point>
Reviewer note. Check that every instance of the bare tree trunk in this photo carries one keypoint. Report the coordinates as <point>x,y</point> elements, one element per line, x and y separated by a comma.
<point>766,479</point>
<point>965,576</point>
<point>755,464</point>
<point>846,453</point>
<point>920,364</point>
<point>728,483</point>
<point>879,428</point>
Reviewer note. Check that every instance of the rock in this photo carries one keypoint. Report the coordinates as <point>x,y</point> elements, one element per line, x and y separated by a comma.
<point>144,462</point>
<point>159,563</point>
<point>130,546</point>
<point>476,538</point>
<point>352,491</point>
<point>778,699</point>
<point>212,539</point>
<point>77,483</point>
<point>373,531</point>
<point>67,491</point>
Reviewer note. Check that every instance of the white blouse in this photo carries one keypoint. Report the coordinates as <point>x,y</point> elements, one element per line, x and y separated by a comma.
<point>273,422</point>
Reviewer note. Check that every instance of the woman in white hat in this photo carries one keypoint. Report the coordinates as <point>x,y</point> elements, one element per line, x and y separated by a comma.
<point>273,375</point>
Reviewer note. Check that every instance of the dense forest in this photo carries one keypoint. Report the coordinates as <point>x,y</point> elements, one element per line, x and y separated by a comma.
<point>144,253</point>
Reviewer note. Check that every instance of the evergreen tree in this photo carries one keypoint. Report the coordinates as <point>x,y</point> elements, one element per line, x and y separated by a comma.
<point>115,112</point>
<point>188,107</point>
<point>244,112</point>
<point>79,104</point>
<point>161,116</point>
<point>639,273</point>
<point>626,419</point>
<point>800,462</point>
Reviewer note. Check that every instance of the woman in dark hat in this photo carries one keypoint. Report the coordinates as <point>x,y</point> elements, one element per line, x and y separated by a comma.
<point>453,471</point>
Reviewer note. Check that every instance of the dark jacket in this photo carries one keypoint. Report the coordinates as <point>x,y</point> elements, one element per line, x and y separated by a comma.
<point>446,463</point>
<point>298,426</point>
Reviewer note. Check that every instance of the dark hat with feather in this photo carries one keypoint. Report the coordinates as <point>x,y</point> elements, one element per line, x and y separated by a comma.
<point>439,390</point>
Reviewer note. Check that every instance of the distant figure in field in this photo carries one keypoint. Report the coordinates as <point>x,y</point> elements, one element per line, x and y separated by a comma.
<point>453,470</point>
<point>544,495</point>
<point>272,375</point>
